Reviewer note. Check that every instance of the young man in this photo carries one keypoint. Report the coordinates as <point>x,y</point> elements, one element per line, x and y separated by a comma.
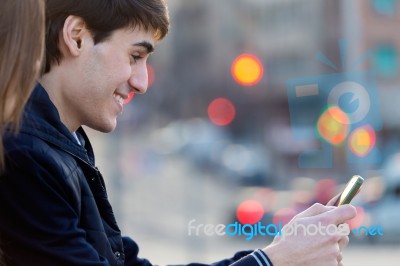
<point>53,202</point>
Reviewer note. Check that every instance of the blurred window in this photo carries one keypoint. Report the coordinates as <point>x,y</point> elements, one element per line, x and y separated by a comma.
<point>385,61</point>
<point>384,7</point>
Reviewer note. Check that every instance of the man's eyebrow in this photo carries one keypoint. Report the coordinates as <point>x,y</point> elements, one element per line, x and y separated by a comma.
<point>145,44</point>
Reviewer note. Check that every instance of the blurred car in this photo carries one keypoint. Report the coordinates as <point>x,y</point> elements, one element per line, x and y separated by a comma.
<point>210,148</point>
<point>380,203</point>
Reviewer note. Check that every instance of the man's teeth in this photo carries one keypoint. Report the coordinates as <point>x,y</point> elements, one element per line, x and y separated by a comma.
<point>119,98</point>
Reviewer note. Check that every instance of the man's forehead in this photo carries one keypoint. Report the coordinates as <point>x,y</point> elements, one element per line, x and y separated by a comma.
<point>137,35</point>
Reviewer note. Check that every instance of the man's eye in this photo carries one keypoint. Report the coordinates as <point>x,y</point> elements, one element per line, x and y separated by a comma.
<point>136,58</point>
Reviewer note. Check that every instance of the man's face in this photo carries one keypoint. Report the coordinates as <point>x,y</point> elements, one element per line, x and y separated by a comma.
<point>101,77</point>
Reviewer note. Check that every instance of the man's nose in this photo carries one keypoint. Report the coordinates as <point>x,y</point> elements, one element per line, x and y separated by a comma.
<point>138,80</point>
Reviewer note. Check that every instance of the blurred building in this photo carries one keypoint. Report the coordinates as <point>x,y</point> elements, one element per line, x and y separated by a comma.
<point>207,35</point>
<point>193,64</point>
<point>380,20</point>
<point>378,32</point>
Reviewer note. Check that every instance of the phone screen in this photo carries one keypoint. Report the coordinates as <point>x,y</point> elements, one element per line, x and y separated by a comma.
<point>350,190</point>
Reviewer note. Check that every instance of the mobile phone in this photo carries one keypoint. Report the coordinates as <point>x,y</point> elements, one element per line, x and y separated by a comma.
<point>350,190</point>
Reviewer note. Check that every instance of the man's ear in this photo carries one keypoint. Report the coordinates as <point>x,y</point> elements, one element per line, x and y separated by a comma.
<point>73,34</point>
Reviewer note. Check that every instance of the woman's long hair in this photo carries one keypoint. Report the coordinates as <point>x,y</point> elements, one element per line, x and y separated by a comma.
<point>22,29</point>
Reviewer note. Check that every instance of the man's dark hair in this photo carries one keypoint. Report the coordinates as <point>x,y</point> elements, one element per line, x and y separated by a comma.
<point>102,17</point>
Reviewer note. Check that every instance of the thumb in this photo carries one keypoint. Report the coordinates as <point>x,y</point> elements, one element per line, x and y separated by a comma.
<point>333,201</point>
<point>339,214</point>
<point>315,209</point>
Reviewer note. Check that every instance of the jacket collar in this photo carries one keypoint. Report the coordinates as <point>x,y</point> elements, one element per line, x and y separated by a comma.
<point>41,119</point>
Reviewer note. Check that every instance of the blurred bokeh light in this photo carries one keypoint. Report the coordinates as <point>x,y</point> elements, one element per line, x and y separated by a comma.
<point>333,125</point>
<point>247,70</point>
<point>249,212</point>
<point>362,140</point>
<point>221,111</point>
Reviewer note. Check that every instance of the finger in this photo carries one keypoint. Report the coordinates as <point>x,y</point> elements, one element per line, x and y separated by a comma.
<point>339,215</point>
<point>340,257</point>
<point>333,201</point>
<point>343,242</point>
<point>315,209</point>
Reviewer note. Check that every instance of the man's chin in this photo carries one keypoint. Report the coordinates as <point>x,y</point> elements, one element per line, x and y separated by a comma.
<point>105,128</point>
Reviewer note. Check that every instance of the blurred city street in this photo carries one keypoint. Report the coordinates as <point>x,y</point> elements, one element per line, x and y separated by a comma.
<point>156,207</point>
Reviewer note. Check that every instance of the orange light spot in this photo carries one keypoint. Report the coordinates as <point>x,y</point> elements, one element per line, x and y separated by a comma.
<point>333,125</point>
<point>247,70</point>
<point>362,140</point>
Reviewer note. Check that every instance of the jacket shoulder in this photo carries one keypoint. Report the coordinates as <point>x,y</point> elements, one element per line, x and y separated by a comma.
<point>24,149</point>
<point>27,156</point>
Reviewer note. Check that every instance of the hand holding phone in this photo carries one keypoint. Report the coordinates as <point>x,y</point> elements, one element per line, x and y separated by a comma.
<point>350,190</point>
